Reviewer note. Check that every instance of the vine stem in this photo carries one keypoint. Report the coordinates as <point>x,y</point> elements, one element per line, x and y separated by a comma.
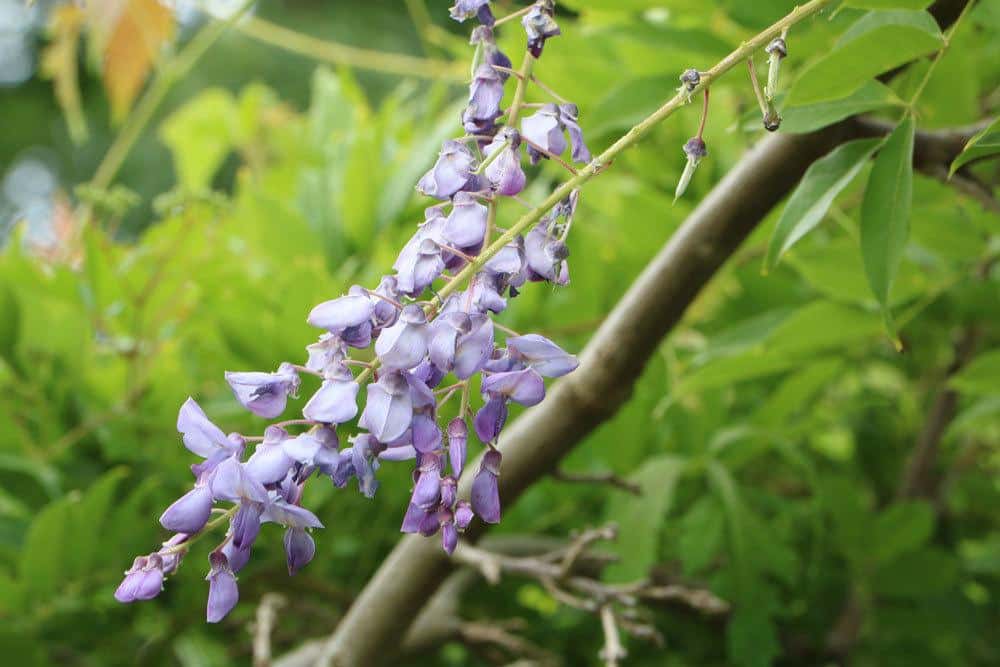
<point>628,140</point>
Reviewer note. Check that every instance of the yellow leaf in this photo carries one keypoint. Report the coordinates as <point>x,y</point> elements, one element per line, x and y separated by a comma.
<point>59,63</point>
<point>135,39</point>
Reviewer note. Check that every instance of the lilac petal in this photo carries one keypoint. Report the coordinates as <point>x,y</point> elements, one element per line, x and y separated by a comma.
<point>149,583</point>
<point>544,130</point>
<point>543,355</point>
<point>426,434</point>
<point>358,337</point>
<point>504,172</point>
<point>510,259</point>
<point>328,351</point>
<point>231,482</point>
<point>404,453</point>
<point>126,591</point>
<point>568,115</point>
<point>190,512</point>
<point>448,490</point>
<point>269,463</point>
<point>246,524</point>
<point>458,436</point>
<point>490,419</point>
<point>450,173</point>
<point>290,516</point>
<point>485,93</point>
<point>466,225</point>
<point>200,435</point>
<point>238,558</point>
<point>420,394</point>
<point>463,515</point>
<point>430,524</point>
<point>335,402</point>
<point>264,394</point>
<point>449,537</point>
<point>412,520</point>
<point>223,593</point>
<point>384,311</point>
<point>427,490</point>
<point>485,490</point>
<point>525,387</point>
<point>404,344</point>
<point>343,313</point>
<point>429,374</point>
<point>474,348</point>
<point>299,549</point>
<point>388,412</point>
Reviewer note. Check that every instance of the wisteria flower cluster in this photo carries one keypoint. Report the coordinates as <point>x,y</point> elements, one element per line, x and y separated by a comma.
<point>425,352</point>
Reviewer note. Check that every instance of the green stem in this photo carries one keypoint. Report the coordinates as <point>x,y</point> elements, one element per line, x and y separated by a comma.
<point>341,54</point>
<point>937,58</point>
<point>523,75</point>
<point>628,140</point>
<point>422,22</point>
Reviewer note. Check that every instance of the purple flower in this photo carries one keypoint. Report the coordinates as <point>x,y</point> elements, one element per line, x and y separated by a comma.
<point>485,490</point>
<point>204,438</point>
<point>427,490</point>
<point>542,354</point>
<point>389,408</point>
<point>143,581</point>
<point>318,449</point>
<point>269,464</point>
<point>238,558</point>
<point>384,311</point>
<point>464,9</point>
<point>299,549</point>
<point>540,25</point>
<point>466,225</point>
<point>223,594</point>
<point>504,171</point>
<point>474,347</point>
<point>458,437</point>
<point>404,344</point>
<point>449,536</point>
<point>338,315</point>
<point>190,512</point>
<point>544,129</point>
<point>290,516</point>
<point>463,515</point>
<point>426,434</point>
<point>336,401</point>
<point>329,351</point>
<point>524,387</point>
<point>232,482</point>
<point>490,419</point>
<point>265,394</point>
<point>450,173</point>
<point>419,263</point>
<point>568,114</point>
<point>545,255</point>
<point>485,94</point>
<point>696,151</point>
<point>483,36</point>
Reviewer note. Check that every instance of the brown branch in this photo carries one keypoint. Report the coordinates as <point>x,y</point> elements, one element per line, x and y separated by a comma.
<point>263,625</point>
<point>609,478</point>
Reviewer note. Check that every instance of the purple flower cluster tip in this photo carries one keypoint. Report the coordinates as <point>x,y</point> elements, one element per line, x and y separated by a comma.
<point>415,344</point>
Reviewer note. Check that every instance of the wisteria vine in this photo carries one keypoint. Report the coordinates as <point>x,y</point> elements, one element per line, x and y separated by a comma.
<point>418,343</point>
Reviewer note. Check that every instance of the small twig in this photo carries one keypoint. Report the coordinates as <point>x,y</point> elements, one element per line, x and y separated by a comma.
<point>582,543</point>
<point>613,652</point>
<point>566,165</point>
<point>609,478</point>
<point>261,628</point>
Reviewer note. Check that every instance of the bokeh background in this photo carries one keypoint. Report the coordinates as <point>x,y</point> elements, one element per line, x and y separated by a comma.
<point>769,434</point>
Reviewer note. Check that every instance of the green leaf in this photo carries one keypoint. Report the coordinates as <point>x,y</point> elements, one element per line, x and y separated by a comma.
<point>797,391</point>
<point>872,95</point>
<point>44,552</point>
<point>640,518</point>
<point>823,181</point>
<point>888,4</point>
<point>200,135</point>
<point>985,144</point>
<point>752,638</point>
<point>900,529</point>
<point>876,43</point>
<point>885,212</point>
<point>702,531</point>
<point>89,517</point>
<point>982,376</point>
<point>916,575</point>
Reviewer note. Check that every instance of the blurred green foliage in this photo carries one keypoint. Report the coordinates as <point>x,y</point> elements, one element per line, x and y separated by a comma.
<point>769,434</point>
